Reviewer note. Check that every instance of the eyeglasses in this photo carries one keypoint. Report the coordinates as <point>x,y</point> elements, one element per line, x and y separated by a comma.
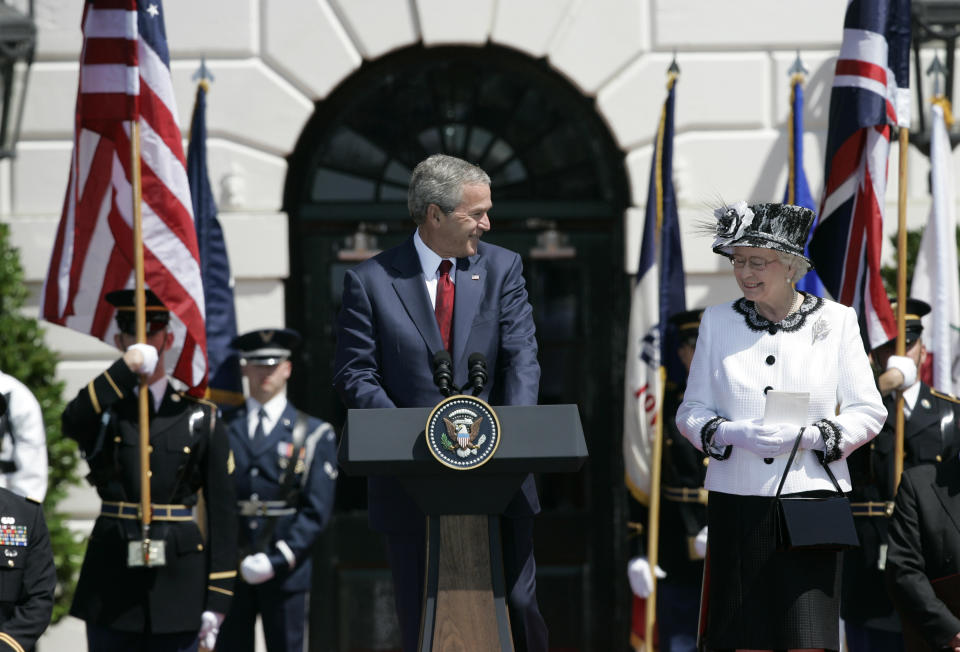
<point>756,264</point>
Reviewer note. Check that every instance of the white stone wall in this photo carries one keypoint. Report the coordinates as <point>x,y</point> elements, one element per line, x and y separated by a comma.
<point>273,59</point>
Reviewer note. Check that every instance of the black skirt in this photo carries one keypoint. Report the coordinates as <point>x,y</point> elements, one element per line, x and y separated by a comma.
<point>761,597</point>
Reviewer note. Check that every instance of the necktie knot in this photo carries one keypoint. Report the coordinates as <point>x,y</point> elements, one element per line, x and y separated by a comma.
<point>444,269</point>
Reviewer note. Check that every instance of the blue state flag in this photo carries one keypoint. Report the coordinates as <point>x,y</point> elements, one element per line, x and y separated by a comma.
<point>797,191</point>
<point>224,387</point>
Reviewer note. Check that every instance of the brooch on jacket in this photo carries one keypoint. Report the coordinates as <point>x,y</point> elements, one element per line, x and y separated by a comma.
<point>820,330</point>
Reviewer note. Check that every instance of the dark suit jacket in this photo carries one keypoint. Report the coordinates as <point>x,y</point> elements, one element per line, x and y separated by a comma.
<point>925,546</point>
<point>387,335</point>
<point>259,467</point>
<point>189,453</point>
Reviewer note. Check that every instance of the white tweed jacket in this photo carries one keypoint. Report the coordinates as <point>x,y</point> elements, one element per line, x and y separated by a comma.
<point>740,354</point>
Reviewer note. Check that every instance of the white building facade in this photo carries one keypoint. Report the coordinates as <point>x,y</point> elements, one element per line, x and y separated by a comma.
<point>287,73</point>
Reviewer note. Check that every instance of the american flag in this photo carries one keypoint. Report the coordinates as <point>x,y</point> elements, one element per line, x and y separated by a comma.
<point>869,95</point>
<point>125,77</point>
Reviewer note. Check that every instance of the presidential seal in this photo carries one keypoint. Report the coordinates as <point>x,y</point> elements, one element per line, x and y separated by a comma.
<point>463,432</point>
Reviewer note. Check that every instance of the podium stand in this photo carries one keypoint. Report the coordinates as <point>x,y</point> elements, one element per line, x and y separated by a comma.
<point>464,597</point>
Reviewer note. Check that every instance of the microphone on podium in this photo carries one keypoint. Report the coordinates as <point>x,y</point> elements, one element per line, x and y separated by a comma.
<point>443,372</point>
<point>477,372</point>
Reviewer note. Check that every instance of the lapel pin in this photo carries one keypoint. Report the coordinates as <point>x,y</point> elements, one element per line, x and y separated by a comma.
<point>475,277</point>
<point>925,403</point>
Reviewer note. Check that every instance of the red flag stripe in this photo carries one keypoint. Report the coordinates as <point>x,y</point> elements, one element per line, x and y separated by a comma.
<point>862,69</point>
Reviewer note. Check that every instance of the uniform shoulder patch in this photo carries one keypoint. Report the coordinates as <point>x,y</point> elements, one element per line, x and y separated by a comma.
<point>946,397</point>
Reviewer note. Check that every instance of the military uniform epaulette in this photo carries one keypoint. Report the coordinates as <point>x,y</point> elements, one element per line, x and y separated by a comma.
<point>196,399</point>
<point>31,499</point>
<point>947,397</point>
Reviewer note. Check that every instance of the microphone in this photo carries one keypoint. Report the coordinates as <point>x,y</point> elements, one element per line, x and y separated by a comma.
<point>477,365</point>
<point>443,372</point>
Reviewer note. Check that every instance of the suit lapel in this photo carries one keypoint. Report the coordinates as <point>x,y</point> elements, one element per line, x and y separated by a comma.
<point>947,489</point>
<point>471,280</point>
<point>169,413</point>
<point>410,288</point>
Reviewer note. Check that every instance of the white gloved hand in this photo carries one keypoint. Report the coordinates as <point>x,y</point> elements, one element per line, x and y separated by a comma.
<point>210,622</point>
<point>700,543</point>
<point>905,366</point>
<point>148,359</point>
<point>752,435</point>
<point>788,434</point>
<point>641,581</point>
<point>256,569</point>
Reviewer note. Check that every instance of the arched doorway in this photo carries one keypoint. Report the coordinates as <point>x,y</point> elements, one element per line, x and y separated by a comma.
<point>559,192</point>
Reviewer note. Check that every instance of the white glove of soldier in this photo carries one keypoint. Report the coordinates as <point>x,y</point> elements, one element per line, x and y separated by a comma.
<point>641,581</point>
<point>752,435</point>
<point>256,569</point>
<point>210,622</point>
<point>700,543</point>
<point>905,366</point>
<point>141,358</point>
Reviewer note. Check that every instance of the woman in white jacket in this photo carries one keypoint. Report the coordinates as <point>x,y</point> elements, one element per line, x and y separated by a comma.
<point>774,338</point>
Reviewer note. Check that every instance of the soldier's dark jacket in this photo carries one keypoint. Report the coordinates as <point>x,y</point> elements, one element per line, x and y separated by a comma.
<point>189,453</point>
<point>27,574</point>
<point>930,434</point>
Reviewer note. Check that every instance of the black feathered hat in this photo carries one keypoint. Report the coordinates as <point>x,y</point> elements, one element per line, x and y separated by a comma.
<point>782,227</point>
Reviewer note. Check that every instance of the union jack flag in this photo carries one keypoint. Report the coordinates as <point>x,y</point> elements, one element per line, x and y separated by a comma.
<point>870,93</point>
<point>125,78</point>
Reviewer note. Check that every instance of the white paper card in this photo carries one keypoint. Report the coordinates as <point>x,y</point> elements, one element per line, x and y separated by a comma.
<point>786,408</point>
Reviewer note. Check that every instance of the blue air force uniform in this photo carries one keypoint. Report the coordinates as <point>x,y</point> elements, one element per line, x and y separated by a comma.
<point>285,480</point>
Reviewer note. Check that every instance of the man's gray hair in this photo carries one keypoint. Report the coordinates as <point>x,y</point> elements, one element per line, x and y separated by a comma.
<point>439,179</point>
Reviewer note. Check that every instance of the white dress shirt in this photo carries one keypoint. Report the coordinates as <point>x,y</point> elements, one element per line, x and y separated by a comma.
<point>430,263</point>
<point>273,410</point>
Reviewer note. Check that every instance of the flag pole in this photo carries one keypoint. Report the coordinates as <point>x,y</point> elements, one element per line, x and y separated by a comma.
<point>653,518</point>
<point>653,531</point>
<point>904,140</point>
<point>141,318</point>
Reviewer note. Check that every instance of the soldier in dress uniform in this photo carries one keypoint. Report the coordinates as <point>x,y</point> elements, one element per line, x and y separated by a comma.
<point>179,604</point>
<point>27,574</point>
<point>683,514</point>
<point>285,480</point>
<point>931,420</point>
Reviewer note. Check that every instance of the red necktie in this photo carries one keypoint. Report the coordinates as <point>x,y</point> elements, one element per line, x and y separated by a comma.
<point>444,306</point>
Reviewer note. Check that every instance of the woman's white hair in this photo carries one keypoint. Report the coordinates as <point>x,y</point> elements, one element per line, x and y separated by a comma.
<point>798,265</point>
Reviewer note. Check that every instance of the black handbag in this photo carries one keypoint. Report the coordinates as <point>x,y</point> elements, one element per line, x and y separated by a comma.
<point>814,523</point>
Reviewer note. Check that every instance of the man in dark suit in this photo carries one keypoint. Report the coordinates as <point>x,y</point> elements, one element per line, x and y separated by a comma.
<point>160,608</point>
<point>285,479</point>
<point>923,561</point>
<point>931,422</point>
<point>442,289</point>
<point>27,576</point>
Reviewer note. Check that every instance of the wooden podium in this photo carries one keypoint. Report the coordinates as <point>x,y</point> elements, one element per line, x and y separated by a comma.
<point>465,595</point>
